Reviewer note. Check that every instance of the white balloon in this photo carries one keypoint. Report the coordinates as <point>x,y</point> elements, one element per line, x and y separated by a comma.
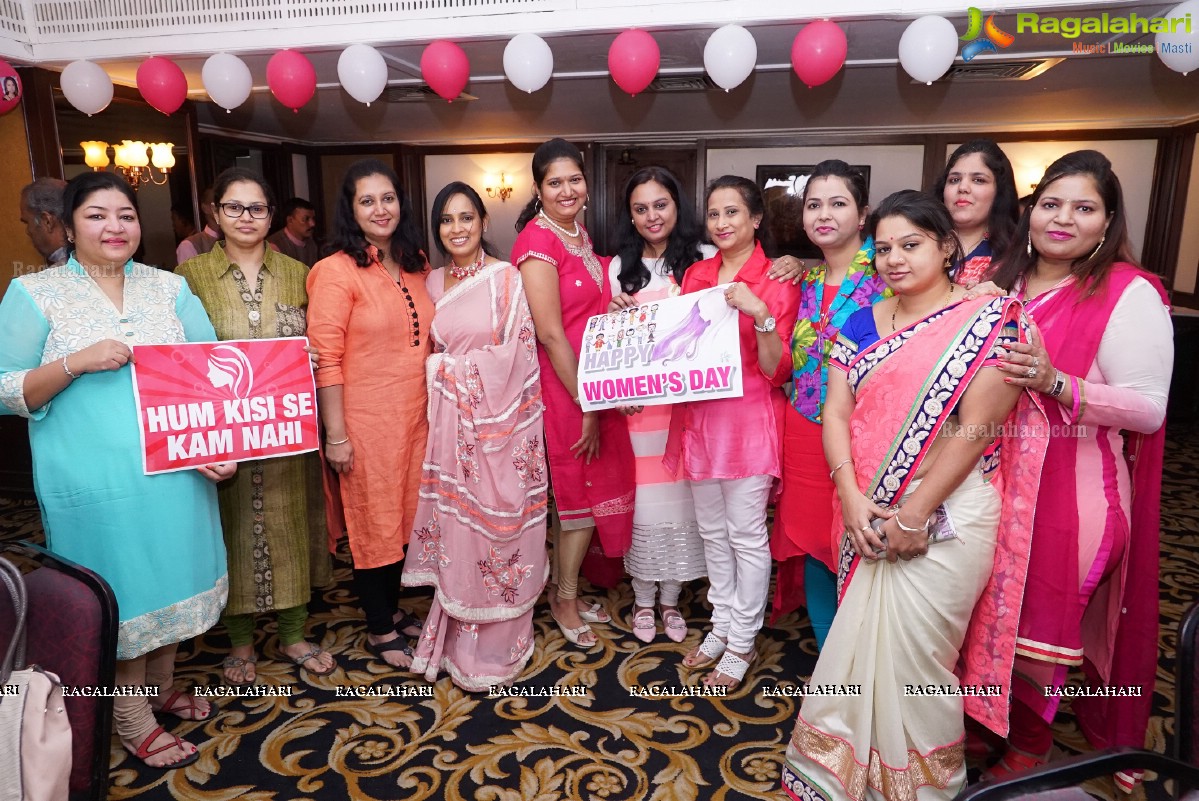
<point>528,62</point>
<point>1180,50</point>
<point>227,80</point>
<point>362,72</point>
<point>730,56</point>
<point>928,47</point>
<point>86,86</point>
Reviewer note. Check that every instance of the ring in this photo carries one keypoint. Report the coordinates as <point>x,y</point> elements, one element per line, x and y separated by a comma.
<point>1035,361</point>
<point>866,528</point>
<point>1032,372</point>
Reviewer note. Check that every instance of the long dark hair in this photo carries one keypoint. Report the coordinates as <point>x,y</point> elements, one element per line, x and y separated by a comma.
<point>439,202</point>
<point>682,248</point>
<point>407,243</point>
<point>545,155</point>
<point>1005,207</point>
<point>922,210</point>
<point>751,195</point>
<point>1092,268</point>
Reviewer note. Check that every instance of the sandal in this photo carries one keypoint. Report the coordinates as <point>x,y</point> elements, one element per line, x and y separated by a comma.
<point>1014,762</point>
<point>1127,780</point>
<point>313,653</point>
<point>674,624</point>
<point>188,710</point>
<point>572,635</point>
<point>710,649</point>
<point>398,644</point>
<point>595,614</point>
<point>644,627</point>
<point>144,751</point>
<point>246,664</point>
<point>731,666</point>
<point>408,621</point>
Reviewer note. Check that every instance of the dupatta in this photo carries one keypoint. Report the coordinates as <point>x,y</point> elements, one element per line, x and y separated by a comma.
<point>901,404</point>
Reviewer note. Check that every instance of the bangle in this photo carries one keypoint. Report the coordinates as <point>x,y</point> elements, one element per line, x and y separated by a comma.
<point>67,370</point>
<point>838,467</point>
<point>909,529</point>
<point>339,442</point>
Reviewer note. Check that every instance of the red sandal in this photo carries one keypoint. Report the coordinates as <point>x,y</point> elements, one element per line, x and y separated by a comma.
<point>1014,762</point>
<point>188,710</point>
<point>144,751</point>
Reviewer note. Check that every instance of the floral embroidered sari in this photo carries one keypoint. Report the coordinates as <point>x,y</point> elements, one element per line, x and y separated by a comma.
<point>479,539</point>
<point>925,640</point>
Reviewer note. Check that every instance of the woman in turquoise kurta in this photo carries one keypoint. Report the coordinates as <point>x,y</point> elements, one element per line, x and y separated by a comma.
<point>65,337</point>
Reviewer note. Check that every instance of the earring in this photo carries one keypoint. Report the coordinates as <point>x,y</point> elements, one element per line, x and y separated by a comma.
<point>1028,248</point>
<point>71,238</point>
<point>537,203</point>
<point>1096,250</point>
<point>861,225</point>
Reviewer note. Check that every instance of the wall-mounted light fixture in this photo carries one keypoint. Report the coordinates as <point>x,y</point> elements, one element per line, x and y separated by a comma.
<point>133,159</point>
<point>500,187</point>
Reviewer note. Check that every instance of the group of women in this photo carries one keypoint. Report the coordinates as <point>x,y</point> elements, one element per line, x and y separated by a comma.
<point>922,502</point>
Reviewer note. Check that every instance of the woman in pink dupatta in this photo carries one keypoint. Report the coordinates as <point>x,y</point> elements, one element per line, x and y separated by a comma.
<point>933,526</point>
<point>1102,364</point>
<point>479,537</point>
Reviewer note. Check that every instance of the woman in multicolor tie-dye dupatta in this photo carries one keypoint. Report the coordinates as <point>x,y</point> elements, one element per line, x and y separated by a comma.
<point>934,526</point>
<point>479,537</point>
<point>834,214</point>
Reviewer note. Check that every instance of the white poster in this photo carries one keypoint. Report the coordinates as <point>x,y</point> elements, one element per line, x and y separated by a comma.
<point>683,348</point>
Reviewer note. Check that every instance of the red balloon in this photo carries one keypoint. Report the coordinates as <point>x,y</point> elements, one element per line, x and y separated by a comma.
<point>10,88</point>
<point>446,69</point>
<point>292,78</point>
<point>633,60</point>
<point>819,52</point>
<point>162,84</point>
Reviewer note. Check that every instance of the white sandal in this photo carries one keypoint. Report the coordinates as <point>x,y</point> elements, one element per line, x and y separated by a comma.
<point>572,635</point>
<point>732,666</point>
<point>644,627</point>
<point>595,614</point>
<point>712,647</point>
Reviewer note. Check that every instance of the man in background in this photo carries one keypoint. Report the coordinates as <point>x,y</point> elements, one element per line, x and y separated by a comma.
<point>295,239</point>
<point>202,242</point>
<point>41,211</point>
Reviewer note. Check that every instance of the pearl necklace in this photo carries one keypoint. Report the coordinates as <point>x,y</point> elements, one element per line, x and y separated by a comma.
<point>560,229</point>
<point>897,300</point>
<point>462,272</point>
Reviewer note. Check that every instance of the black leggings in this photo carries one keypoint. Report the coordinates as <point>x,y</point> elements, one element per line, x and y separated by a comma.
<point>378,591</point>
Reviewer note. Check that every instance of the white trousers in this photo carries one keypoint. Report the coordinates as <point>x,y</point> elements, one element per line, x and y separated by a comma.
<point>732,521</point>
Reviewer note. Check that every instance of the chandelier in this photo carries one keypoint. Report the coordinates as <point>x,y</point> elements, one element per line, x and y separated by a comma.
<point>134,160</point>
<point>500,187</point>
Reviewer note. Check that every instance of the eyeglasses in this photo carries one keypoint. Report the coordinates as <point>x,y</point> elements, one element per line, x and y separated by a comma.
<point>258,211</point>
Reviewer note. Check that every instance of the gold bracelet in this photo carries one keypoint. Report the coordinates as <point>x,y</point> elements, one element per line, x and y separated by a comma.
<point>909,529</point>
<point>838,467</point>
<point>339,442</point>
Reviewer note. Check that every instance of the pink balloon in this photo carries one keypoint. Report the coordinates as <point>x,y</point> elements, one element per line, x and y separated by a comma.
<point>10,88</point>
<point>162,84</point>
<point>446,69</point>
<point>292,78</point>
<point>633,60</point>
<point>819,52</point>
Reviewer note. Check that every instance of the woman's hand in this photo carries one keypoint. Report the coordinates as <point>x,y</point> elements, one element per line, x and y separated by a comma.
<point>742,298</point>
<point>788,268</point>
<point>107,354</point>
<point>218,472</point>
<point>905,545</point>
<point>984,288</point>
<point>340,457</point>
<point>856,513</point>
<point>622,301</point>
<point>1027,364</point>
<point>629,411</point>
<point>588,444</point>
<point>314,356</point>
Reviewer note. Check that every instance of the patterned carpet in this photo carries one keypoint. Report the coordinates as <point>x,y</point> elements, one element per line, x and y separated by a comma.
<point>325,742</point>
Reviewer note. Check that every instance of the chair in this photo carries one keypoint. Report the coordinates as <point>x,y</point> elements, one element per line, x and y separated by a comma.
<point>71,630</point>
<point>1056,781</point>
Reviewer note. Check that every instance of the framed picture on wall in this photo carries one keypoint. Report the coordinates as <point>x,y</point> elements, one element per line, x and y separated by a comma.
<point>782,186</point>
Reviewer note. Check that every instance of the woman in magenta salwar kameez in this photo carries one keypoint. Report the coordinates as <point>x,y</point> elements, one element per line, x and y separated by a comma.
<point>479,537</point>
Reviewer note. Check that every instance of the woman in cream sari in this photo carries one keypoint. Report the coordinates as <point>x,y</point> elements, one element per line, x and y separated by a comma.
<point>933,525</point>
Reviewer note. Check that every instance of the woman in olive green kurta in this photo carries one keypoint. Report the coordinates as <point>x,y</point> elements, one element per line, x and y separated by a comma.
<point>272,512</point>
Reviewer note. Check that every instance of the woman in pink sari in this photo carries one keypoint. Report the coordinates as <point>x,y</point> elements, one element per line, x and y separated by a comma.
<point>1101,363</point>
<point>934,534</point>
<point>479,537</point>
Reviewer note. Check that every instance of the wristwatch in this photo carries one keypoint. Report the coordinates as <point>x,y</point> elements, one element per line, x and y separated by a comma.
<point>766,327</point>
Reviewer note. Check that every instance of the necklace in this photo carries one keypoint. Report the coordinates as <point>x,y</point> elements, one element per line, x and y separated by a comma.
<point>966,251</point>
<point>897,301</point>
<point>560,229</point>
<point>462,272</point>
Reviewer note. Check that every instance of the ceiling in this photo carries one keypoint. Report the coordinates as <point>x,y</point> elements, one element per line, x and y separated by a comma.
<point>870,94</point>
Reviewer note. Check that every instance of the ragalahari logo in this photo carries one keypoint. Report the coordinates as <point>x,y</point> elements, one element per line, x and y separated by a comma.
<point>983,37</point>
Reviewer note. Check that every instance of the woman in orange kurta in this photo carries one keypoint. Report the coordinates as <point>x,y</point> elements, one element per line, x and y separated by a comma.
<point>369,316</point>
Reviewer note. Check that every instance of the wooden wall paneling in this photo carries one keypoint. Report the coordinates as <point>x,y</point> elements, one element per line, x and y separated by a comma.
<point>41,124</point>
<point>934,159</point>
